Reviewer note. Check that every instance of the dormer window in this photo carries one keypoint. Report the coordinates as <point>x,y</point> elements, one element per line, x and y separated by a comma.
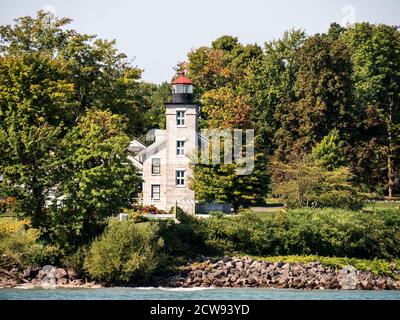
<point>180,118</point>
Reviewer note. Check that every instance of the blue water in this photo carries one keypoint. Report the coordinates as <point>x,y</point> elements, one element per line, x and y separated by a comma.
<point>192,294</point>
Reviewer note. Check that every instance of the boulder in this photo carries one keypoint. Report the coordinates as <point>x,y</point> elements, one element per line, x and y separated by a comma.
<point>41,274</point>
<point>62,281</point>
<point>60,273</point>
<point>77,282</point>
<point>72,274</point>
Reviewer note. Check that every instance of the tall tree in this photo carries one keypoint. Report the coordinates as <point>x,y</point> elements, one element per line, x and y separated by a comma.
<point>218,71</point>
<point>50,78</point>
<point>270,79</point>
<point>376,83</point>
<point>34,98</point>
<point>322,96</point>
<point>94,177</point>
<point>102,76</point>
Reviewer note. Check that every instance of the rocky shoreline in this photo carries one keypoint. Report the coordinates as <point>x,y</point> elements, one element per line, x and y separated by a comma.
<point>233,272</point>
<point>246,272</point>
<point>46,277</point>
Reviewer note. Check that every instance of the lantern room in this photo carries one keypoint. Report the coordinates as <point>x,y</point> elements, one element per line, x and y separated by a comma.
<point>182,90</point>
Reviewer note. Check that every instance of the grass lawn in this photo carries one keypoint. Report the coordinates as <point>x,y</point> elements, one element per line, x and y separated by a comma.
<point>265,214</point>
<point>381,205</point>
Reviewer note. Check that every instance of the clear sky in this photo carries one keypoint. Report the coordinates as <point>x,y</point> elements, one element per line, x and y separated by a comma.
<point>157,34</point>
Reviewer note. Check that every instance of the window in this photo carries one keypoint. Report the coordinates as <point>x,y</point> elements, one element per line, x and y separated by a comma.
<point>182,88</point>
<point>155,191</point>
<point>155,166</point>
<point>180,148</point>
<point>188,89</point>
<point>180,178</point>
<point>180,118</point>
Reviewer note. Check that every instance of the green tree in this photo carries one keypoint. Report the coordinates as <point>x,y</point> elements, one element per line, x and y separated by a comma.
<point>226,110</point>
<point>268,81</point>
<point>329,153</point>
<point>33,99</point>
<point>51,77</point>
<point>322,97</point>
<point>152,98</point>
<point>222,184</point>
<point>101,76</point>
<point>376,86</point>
<point>309,184</point>
<point>95,177</point>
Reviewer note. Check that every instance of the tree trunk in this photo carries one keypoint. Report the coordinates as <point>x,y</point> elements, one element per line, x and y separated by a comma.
<point>390,150</point>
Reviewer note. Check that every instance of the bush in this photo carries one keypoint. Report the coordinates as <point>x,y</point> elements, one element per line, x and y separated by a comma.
<point>151,209</point>
<point>343,233</point>
<point>327,232</point>
<point>186,238</point>
<point>217,214</point>
<point>76,259</point>
<point>125,252</point>
<point>312,185</point>
<point>378,267</point>
<point>20,246</point>
<point>137,217</point>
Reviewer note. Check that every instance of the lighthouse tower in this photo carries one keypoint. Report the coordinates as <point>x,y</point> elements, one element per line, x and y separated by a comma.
<point>181,127</point>
<point>166,163</point>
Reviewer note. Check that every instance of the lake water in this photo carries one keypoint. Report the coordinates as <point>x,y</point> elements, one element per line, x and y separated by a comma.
<point>193,294</point>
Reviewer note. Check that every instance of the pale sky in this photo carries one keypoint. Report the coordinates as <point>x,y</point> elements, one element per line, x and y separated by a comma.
<point>157,34</point>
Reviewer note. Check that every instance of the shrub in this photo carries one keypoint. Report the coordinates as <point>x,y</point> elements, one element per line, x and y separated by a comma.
<point>76,259</point>
<point>217,214</point>
<point>7,206</point>
<point>151,209</point>
<point>327,232</point>
<point>312,185</point>
<point>186,238</point>
<point>124,252</point>
<point>378,267</point>
<point>137,217</point>
<point>20,246</point>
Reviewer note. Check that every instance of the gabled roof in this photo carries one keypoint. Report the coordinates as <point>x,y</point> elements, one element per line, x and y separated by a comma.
<point>142,155</point>
<point>136,163</point>
<point>136,146</point>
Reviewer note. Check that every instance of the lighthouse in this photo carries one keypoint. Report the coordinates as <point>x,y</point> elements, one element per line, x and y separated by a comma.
<point>166,164</point>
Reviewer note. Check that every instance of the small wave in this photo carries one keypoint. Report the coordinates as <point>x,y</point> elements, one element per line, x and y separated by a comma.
<point>186,289</point>
<point>173,289</point>
<point>26,286</point>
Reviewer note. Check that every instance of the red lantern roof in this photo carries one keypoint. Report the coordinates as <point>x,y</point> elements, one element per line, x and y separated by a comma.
<point>182,80</point>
